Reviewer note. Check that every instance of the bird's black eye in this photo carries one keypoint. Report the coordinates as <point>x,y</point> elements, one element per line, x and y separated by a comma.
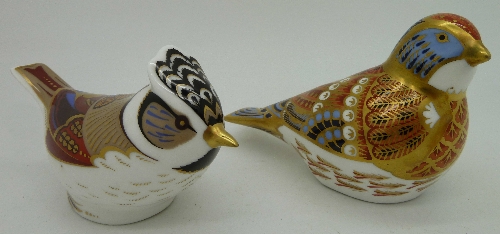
<point>181,122</point>
<point>442,37</point>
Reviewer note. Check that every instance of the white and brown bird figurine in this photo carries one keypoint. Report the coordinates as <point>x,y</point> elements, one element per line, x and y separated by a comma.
<point>387,133</point>
<point>123,158</point>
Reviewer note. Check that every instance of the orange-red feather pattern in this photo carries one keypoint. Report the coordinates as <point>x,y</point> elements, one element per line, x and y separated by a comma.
<point>450,145</point>
<point>392,119</point>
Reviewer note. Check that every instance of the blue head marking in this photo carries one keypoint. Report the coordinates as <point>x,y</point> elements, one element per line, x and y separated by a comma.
<point>428,48</point>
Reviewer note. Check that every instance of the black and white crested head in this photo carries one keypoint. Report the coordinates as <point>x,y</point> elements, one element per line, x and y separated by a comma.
<point>184,76</point>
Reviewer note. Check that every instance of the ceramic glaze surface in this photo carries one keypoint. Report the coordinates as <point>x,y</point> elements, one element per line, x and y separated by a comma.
<point>123,158</point>
<point>387,133</point>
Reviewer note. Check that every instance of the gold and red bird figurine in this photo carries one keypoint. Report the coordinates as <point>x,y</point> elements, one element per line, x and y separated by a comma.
<point>387,133</point>
<point>123,158</point>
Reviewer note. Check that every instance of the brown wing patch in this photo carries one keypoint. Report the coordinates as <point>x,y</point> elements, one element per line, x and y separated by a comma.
<point>102,126</point>
<point>66,117</point>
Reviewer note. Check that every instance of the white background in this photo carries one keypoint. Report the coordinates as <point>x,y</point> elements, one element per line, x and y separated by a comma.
<point>254,54</point>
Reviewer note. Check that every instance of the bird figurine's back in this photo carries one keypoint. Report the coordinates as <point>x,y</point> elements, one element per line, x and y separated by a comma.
<point>123,158</point>
<point>387,133</point>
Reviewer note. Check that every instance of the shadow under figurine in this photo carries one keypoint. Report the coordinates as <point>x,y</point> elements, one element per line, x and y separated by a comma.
<point>123,158</point>
<point>385,134</point>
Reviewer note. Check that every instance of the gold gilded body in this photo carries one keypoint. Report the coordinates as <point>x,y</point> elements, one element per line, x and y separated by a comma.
<point>401,116</point>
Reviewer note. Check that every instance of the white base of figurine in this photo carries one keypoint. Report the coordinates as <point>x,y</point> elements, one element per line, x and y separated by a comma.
<point>360,180</point>
<point>115,214</point>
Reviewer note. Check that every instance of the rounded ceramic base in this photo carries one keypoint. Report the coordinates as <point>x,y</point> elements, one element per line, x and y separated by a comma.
<point>116,214</point>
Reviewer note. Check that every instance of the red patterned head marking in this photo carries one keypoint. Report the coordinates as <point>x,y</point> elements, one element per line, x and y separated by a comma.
<point>459,21</point>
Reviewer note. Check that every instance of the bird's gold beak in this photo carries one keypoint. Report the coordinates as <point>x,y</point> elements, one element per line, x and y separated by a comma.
<point>216,136</point>
<point>477,54</point>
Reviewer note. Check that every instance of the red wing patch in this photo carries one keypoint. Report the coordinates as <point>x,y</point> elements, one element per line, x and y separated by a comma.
<point>68,144</point>
<point>64,136</point>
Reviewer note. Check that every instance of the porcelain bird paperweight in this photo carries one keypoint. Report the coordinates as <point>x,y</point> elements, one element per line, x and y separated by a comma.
<point>123,158</point>
<point>387,133</point>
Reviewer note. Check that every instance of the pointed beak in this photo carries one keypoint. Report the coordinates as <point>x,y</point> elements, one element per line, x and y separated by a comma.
<point>477,54</point>
<point>216,136</point>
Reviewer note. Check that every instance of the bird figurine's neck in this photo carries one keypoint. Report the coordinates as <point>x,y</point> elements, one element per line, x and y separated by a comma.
<point>439,83</point>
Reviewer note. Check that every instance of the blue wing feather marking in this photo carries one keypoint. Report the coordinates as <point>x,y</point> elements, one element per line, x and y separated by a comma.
<point>152,124</point>
<point>150,113</point>
<point>161,135</point>
<point>166,113</point>
<point>170,128</point>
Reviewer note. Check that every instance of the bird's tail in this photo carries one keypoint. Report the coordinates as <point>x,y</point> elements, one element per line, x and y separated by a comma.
<point>268,119</point>
<point>40,80</point>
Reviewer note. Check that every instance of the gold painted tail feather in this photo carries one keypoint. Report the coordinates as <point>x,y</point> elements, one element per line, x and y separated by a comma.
<point>41,81</point>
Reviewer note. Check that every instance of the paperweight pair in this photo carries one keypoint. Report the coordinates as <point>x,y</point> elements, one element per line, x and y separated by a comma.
<point>383,135</point>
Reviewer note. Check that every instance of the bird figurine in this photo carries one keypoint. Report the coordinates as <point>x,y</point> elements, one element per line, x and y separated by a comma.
<point>385,134</point>
<point>123,158</point>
